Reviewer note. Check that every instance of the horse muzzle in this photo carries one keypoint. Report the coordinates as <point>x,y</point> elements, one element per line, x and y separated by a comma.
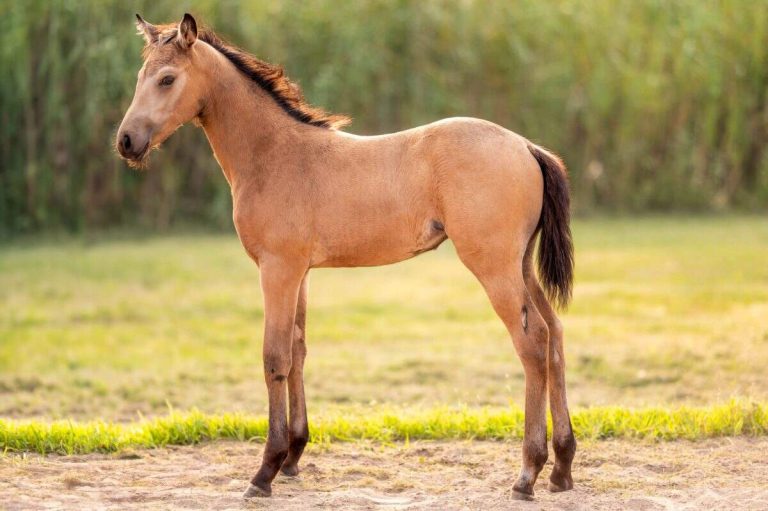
<point>133,145</point>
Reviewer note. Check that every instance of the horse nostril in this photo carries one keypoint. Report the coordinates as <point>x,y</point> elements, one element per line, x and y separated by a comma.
<point>126,142</point>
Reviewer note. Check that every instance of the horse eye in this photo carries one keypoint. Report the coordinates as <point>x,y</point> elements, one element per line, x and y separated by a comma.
<point>166,81</point>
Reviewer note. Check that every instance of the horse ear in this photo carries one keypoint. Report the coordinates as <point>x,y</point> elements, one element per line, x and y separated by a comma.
<point>187,31</point>
<point>148,30</point>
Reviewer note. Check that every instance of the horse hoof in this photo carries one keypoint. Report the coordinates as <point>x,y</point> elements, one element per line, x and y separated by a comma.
<point>290,471</point>
<point>558,484</point>
<point>518,495</point>
<point>254,491</point>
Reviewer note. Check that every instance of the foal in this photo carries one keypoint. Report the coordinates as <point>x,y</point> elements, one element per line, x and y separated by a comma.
<point>307,195</point>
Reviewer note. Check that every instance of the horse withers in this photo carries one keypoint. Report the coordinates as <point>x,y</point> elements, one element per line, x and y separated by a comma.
<point>307,195</point>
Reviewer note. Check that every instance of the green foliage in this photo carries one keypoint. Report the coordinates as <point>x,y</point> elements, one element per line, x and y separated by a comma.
<point>66,437</point>
<point>653,104</point>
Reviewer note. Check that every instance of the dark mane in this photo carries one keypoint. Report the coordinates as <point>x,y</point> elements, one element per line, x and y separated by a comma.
<point>271,78</point>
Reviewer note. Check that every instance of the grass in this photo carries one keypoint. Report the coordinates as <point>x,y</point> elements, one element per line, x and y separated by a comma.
<point>667,312</point>
<point>66,437</point>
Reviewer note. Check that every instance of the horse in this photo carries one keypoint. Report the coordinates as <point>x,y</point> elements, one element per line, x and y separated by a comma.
<point>307,195</point>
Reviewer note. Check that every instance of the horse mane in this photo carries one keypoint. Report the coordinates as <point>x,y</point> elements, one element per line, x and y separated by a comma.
<point>270,77</point>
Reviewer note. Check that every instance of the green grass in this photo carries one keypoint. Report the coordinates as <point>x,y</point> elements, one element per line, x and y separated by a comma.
<point>66,437</point>
<point>667,311</point>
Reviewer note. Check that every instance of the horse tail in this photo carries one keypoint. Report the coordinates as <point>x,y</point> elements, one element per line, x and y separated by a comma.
<point>555,256</point>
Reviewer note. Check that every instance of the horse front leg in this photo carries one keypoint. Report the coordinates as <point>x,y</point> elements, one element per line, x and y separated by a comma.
<point>298,427</point>
<point>280,282</point>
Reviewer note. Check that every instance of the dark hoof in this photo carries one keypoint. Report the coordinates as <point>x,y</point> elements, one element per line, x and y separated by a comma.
<point>290,470</point>
<point>522,489</point>
<point>558,484</point>
<point>518,495</point>
<point>254,491</point>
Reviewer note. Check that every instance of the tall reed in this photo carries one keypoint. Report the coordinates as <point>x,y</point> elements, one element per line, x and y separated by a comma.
<point>655,105</point>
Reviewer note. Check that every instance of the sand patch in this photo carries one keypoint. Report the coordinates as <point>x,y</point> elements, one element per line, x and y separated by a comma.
<point>615,475</point>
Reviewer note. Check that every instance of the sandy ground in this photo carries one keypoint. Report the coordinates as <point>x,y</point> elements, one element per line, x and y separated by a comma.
<point>713,474</point>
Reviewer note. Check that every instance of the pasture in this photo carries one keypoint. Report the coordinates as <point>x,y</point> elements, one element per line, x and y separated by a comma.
<point>667,311</point>
<point>666,338</point>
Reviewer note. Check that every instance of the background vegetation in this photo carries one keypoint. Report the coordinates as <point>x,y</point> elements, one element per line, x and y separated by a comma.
<point>654,104</point>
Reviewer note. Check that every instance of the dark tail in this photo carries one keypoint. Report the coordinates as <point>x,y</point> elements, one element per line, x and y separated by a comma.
<point>555,258</point>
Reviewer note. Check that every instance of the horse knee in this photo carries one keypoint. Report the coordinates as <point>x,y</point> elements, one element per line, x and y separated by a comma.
<point>277,366</point>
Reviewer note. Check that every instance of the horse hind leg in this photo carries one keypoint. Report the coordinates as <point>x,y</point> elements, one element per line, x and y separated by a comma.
<point>505,286</point>
<point>563,441</point>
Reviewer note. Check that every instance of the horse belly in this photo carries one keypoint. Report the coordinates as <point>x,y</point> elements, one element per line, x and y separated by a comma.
<point>377,245</point>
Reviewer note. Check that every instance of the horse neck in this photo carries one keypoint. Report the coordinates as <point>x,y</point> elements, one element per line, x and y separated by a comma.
<point>244,125</point>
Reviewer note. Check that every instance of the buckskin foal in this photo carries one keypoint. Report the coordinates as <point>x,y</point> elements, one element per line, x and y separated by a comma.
<point>307,195</point>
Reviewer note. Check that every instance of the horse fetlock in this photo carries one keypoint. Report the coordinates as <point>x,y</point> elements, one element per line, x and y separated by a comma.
<point>298,442</point>
<point>273,461</point>
<point>290,467</point>
<point>523,487</point>
<point>534,459</point>
<point>536,456</point>
<point>564,447</point>
<point>261,484</point>
<point>560,479</point>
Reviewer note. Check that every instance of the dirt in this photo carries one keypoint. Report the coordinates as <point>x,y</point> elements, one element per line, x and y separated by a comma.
<point>616,475</point>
